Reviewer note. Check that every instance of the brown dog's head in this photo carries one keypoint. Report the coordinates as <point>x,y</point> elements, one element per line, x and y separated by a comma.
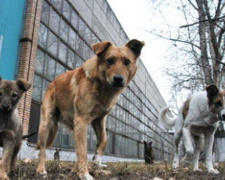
<point>10,94</point>
<point>115,65</point>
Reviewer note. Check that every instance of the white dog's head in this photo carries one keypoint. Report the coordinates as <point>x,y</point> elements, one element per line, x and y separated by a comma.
<point>216,102</point>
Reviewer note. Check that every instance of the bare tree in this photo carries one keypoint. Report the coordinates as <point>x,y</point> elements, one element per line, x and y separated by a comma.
<point>196,57</point>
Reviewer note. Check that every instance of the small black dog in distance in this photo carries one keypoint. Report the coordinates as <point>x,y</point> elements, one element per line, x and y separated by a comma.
<point>148,153</point>
<point>56,154</point>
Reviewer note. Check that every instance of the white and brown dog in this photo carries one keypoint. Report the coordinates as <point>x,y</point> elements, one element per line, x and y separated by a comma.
<point>197,122</point>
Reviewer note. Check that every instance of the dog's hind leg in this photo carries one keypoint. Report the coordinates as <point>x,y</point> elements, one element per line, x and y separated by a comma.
<point>199,143</point>
<point>188,144</point>
<point>47,131</point>
<point>99,126</point>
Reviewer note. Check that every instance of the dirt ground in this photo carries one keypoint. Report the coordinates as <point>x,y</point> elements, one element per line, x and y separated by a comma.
<point>116,171</point>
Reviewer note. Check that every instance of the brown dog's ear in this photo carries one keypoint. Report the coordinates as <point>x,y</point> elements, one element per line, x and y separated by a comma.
<point>211,90</point>
<point>135,46</point>
<point>23,84</point>
<point>99,48</point>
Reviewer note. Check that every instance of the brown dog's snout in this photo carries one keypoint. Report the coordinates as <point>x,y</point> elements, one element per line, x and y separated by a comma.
<point>118,81</point>
<point>5,107</point>
<point>5,104</point>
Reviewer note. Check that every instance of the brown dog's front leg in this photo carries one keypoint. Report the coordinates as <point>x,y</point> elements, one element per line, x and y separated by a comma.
<point>14,157</point>
<point>99,126</point>
<point>80,132</point>
<point>6,159</point>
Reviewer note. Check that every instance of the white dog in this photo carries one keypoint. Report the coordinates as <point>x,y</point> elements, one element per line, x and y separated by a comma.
<point>197,122</point>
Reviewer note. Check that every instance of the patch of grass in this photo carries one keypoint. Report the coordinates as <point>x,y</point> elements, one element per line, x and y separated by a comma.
<point>116,171</point>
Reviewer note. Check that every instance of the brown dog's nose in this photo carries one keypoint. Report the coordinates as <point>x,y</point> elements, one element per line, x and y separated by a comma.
<point>5,107</point>
<point>118,79</point>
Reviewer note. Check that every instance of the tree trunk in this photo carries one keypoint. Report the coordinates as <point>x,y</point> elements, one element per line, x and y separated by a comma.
<point>203,44</point>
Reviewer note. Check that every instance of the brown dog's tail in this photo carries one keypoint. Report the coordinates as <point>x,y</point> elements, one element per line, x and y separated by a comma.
<point>50,137</point>
<point>166,121</point>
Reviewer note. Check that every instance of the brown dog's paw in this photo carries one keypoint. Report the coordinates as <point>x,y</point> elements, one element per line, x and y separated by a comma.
<point>3,176</point>
<point>85,176</point>
<point>103,172</point>
<point>41,171</point>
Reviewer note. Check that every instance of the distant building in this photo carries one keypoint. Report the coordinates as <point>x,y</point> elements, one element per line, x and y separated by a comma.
<point>54,36</point>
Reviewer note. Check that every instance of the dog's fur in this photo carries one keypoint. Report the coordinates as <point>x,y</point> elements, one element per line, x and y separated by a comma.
<point>10,126</point>
<point>148,153</point>
<point>197,122</point>
<point>85,96</point>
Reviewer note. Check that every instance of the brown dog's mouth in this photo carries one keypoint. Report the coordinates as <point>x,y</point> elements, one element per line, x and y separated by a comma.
<point>118,85</point>
<point>4,111</point>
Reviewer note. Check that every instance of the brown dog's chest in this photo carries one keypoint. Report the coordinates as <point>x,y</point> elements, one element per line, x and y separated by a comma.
<point>100,110</point>
<point>9,121</point>
<point>84,109</point>
<point>79,96</point>
<point>10,128</point>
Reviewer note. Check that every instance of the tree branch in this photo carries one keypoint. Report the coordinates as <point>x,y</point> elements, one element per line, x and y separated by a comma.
<point>188,25</point>
<point>186,42</point>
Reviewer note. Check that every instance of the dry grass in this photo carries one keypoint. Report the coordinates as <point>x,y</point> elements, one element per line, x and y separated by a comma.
<point>116,171</point>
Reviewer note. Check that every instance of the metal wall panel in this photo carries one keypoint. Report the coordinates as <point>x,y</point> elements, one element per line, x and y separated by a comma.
<point>11,23</point>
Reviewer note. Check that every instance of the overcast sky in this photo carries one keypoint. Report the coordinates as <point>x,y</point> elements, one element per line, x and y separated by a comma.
<point>137,18</point>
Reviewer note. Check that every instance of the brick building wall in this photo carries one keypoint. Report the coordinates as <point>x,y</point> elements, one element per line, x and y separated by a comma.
<point>28,54</point>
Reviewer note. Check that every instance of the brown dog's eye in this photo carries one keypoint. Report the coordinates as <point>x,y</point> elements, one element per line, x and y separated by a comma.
<point>110,61</point>
<point>14,95</point>
<point>126,62</point>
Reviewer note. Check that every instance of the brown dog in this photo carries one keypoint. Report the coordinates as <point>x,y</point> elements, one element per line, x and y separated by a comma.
<point>10,126</point>
<point>86,95</point>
